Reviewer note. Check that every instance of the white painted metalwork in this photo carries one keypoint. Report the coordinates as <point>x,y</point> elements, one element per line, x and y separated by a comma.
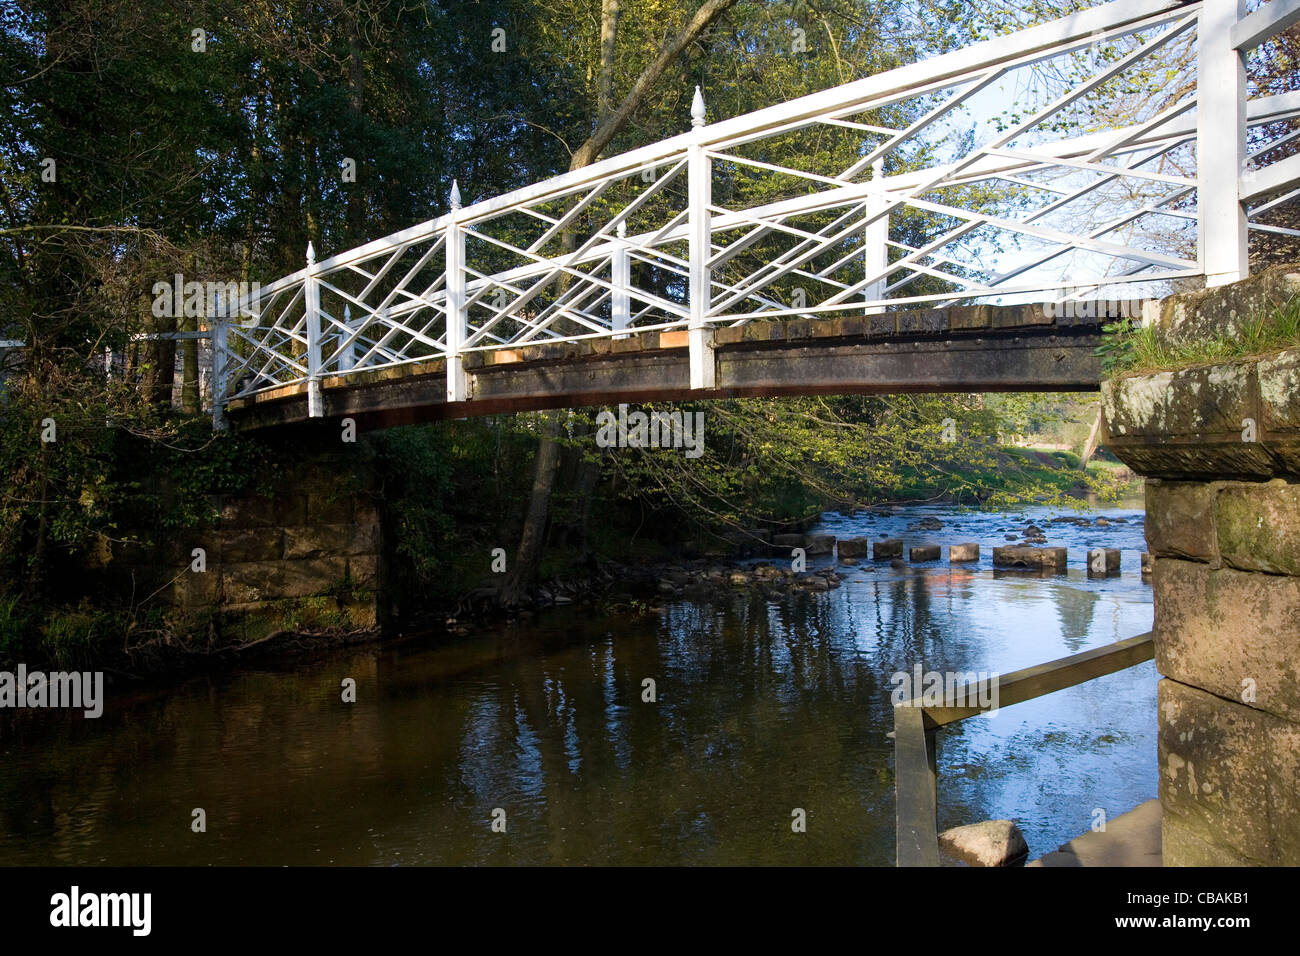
<point>902,189</point>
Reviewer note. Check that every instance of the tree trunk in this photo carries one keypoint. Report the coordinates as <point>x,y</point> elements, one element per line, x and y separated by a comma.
<point>588,476</point>
<point>1090,445</point>
<point>668,54</point>
<point>356,78</point>
<point>531,541</point>
<point>610,11</point>
<point>533,538</point>
<point>157,376</point>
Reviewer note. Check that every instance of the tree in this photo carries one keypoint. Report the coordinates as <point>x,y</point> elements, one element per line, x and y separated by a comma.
<point>609,121</point>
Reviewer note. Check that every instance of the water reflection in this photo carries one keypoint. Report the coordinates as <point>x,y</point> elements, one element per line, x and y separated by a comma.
<point>762,707</point>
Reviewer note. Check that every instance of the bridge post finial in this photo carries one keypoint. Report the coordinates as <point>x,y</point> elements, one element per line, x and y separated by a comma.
<point>311,254</point>
<point>697,109</point>
<point>455,195</point>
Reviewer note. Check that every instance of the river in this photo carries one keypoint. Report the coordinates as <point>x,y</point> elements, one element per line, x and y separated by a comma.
<point>762,707</point>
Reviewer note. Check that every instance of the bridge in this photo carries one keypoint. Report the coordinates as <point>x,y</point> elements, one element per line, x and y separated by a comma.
<point>938,227</point>
<point>961,349</point>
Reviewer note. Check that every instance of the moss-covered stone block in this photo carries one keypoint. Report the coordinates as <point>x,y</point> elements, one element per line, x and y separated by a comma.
<point>1279,398</point>
<point>1193,317</point>
<point>328,507</point>
<point>1219,789</point>
<point>239,545</point>
<point>248,511</point>
<point>313,541</point>
<point>1207,400</point>
<point>1198,422</point>
<point>363,570</point>
<point>195,589</point>
<point>1180,519</point>
<point>1258,527</point>
<point>1233,633</point>
<point>258,581</point>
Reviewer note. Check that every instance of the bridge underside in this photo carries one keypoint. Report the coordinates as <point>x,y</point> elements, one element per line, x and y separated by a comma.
<point>962,349</point>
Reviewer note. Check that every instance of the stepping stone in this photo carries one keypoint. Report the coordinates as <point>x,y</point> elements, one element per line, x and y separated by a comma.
<point>889,548</point>
<point>1022,556</point>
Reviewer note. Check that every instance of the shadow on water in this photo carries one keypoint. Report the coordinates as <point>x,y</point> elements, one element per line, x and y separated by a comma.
<point>762,707</point>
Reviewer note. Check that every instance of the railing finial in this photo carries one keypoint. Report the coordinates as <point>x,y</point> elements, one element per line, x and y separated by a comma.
<point>697,109</point>
<point>455,195</point>
<point>311,254</point>
<point>621,229</point>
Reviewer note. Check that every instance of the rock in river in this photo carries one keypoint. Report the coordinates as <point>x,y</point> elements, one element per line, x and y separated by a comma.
<point>991,843</point>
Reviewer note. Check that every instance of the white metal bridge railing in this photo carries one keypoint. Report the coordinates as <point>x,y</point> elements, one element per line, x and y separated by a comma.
<point>962,178</point>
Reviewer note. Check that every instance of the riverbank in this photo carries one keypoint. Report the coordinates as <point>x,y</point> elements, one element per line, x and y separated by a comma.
<point>621,565</point>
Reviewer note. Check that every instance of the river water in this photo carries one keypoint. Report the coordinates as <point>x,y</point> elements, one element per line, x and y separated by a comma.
<point>763,707</point>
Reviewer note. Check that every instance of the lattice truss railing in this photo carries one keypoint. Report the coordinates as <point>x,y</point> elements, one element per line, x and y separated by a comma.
<point>1057,162</point>
<point>594,259</point>
<point>1269,178</point>
<point>378,306</point>
<point>993,183</point>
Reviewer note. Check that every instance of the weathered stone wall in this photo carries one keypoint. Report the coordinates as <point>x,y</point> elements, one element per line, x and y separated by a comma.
<point>303,559</point>
<point>1220,447</point>
<point>1227,636</point>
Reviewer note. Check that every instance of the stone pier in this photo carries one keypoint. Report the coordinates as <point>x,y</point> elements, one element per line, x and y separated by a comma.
<point>303,558</point>
<point>1219,445</point>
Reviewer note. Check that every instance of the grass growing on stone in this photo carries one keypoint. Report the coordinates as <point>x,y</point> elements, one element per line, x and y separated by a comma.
<point>1129,348</point>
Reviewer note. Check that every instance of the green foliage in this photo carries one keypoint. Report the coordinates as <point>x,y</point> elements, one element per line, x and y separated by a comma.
<point>417,486</point>
<point>770,461</point>
<point>451,492</point>
<point>203,463</point>
<point>1118,345</point>
<point>1127,347</point>
<point>75,639</point>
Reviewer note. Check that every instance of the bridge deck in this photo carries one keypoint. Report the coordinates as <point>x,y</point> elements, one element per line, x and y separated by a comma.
<point>959,349</point>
